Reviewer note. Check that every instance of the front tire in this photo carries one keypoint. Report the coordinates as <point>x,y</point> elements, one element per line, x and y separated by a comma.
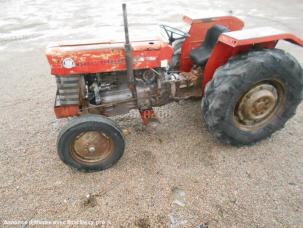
<point>252,96</point>
<point>90,143</point>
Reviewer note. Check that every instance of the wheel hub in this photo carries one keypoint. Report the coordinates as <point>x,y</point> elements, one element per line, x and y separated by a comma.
<point>91,147</point>
<point>257,105</point>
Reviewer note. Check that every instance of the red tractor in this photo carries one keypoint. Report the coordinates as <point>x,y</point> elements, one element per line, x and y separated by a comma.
<point>249,88</point>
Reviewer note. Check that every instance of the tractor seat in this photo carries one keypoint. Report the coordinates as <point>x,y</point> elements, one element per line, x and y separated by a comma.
<point>201,54</point>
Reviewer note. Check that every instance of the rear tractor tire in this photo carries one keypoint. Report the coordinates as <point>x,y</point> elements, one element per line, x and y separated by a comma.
<point>90,143</point>
<point>252,96</point>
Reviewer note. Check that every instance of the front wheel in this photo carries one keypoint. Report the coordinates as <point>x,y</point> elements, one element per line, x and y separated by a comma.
<point>252,96</point>
<point>90,143</point>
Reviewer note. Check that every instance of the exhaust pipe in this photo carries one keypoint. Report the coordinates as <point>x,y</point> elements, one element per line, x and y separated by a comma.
<point>128,55</point>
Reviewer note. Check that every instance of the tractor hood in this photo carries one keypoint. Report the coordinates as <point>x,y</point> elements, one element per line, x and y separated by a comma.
<point>67,58</point>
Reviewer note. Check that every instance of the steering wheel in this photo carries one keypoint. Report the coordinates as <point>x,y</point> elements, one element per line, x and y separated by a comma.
<point>170,31</point>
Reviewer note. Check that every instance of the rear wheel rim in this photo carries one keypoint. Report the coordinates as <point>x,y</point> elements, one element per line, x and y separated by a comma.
<point>91,147</point>
<point>257,107</point>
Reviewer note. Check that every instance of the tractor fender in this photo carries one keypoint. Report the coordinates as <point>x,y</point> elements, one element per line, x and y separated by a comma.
<point>236,42</point>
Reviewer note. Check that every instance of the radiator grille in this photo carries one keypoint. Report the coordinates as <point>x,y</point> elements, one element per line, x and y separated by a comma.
<point>68,90</point>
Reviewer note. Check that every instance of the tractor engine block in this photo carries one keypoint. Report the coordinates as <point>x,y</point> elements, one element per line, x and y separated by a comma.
<point>109,93</point>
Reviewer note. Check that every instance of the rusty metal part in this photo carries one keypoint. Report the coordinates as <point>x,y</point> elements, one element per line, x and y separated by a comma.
<point>111,109</point>
<point>189,84</point>
<point>91,147</point>
<point>154,87</point>
<point>192,77</point>
<point>257,106</point>
<point>82,94</point>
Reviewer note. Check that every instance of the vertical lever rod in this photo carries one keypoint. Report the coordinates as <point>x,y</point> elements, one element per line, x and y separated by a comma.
<point>128,55</point>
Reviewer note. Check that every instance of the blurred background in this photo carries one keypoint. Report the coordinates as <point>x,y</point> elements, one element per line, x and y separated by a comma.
<point>31,23</point>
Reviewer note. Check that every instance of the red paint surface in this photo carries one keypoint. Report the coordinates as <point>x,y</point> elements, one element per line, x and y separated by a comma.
<point>147,115</point>
<point>107,57</point>
<point>66,111</point>
<point>198,30</point>
<point>267,39</point>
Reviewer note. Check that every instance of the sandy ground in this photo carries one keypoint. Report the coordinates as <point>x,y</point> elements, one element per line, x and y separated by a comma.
<point>176,176</point>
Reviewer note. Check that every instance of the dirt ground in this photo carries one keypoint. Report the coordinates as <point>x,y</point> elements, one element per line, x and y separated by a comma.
<point>176,175</point>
